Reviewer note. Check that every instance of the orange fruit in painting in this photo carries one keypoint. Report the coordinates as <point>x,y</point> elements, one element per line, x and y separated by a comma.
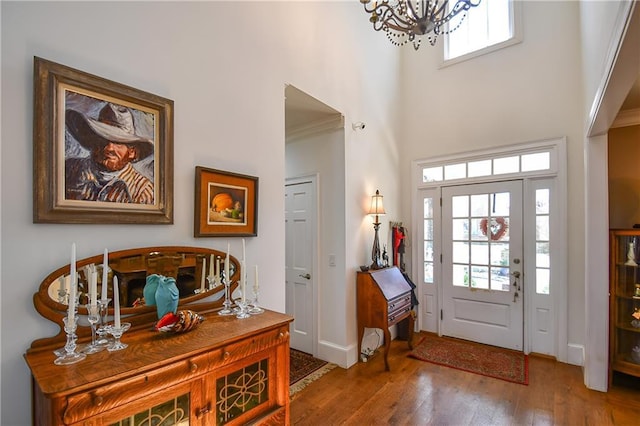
<point>221,201</point>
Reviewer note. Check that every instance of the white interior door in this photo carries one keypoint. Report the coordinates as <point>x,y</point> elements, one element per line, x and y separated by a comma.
<point>300,226</point>
<point>482,263</point>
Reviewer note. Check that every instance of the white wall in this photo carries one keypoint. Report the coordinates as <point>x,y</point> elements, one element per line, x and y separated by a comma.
<point>527,92</point>
<point>225,65</point>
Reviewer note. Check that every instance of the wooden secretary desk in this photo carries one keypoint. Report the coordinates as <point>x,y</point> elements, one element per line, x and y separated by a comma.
<point>383,299</point>
<point>226,371</point>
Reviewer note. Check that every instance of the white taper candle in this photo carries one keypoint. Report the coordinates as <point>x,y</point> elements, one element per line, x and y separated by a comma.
<point>243,272</point>
<point>243,280</point>
<point>226,271</point>
<point>226,264</point>
<point>73,285</point>
<point>255,283</point>
<point>116,303</point>
<point>204,270</point>
<point>105,274</point>
<point>93,288</point>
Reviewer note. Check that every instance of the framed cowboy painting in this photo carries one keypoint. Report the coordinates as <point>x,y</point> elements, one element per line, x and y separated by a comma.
<point>103,151</point>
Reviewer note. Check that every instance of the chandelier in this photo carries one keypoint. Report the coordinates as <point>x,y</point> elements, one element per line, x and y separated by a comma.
<point>409,20</point>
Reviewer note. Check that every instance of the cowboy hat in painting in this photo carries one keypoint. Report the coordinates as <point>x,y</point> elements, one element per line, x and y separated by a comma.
<point>114,124</point>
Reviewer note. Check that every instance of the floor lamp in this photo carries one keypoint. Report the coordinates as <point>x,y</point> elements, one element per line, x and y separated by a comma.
<point>377,209</point>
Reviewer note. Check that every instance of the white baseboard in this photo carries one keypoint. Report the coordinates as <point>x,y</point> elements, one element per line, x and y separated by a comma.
<point>575,354</point>
<point>342,356</point>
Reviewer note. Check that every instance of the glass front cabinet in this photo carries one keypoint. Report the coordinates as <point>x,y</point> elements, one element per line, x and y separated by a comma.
<point>624,309</point>
<point>227,371</point>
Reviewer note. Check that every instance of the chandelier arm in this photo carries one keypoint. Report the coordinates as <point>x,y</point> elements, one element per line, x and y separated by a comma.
<point>386,16</point>
<point>434,10</point>
<point>460,6</point>
<point>424,7</point>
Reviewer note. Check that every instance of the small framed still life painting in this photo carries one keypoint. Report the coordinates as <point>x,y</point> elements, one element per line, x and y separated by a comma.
<point>226,204</point>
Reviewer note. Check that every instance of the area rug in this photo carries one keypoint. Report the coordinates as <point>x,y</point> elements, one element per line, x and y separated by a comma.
<point>477,358</point>
<point>304,369</point>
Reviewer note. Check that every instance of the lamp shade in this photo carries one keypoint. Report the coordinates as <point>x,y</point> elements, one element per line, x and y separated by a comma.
<point>377,208</point>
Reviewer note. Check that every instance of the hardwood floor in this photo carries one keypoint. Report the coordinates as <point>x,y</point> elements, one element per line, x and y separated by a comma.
<point>420,393</point>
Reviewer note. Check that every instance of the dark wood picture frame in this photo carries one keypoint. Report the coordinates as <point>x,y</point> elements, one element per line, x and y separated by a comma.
<point>71,111</point>
<point>226,204</point>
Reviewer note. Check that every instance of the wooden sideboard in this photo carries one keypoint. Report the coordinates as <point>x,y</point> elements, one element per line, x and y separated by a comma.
<point>383,299</point>
<point>226,371</point>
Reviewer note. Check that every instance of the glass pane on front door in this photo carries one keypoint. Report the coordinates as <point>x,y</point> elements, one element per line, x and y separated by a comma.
<point>480,246</point>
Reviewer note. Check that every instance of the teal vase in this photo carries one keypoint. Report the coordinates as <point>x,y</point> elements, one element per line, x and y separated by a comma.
<point>166,296</point>
<point>149,290</point>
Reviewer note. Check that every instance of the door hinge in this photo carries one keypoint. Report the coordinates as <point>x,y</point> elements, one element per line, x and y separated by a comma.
<point>440,201</point>
<point>440,257</point>
<point>441,315</point>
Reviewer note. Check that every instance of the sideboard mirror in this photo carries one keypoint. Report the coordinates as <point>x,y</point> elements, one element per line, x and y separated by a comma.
<point>190,266</point>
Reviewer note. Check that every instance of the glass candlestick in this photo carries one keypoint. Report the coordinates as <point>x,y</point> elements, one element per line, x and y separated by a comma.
<point>117,333</point>
<point>63,296</point>
<point>212,282</point>
<point>102,332</point>
<point>93,316</point>
<point>243,309</point>
<point>255,307</point>
<point>61,351</point>
<point>226,305</point>
<point>70,356</point>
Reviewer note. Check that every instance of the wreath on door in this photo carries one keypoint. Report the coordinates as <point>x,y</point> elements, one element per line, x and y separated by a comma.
<point>496,230</point>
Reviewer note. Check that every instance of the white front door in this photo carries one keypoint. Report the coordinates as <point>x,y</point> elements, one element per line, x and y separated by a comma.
<point>300,226</point>
<point>482,265</point>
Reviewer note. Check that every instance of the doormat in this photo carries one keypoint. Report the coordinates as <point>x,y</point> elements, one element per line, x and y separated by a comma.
<point>490,361</point>
<point>304,369</point>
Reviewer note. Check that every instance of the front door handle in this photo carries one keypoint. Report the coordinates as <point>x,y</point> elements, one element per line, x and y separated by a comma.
<point>307,276</point>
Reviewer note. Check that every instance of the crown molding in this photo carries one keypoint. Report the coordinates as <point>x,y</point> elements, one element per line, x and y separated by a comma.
<point>333,122</point>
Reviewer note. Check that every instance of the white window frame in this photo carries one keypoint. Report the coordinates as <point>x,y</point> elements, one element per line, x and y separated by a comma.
<point>556,179</point>
<point>516,37</point>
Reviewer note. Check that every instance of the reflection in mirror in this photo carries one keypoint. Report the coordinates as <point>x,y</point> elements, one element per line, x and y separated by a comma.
<point>198,277</point>
<point>132,272</point>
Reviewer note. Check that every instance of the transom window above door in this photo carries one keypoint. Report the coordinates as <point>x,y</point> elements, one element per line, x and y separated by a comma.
<point>529,163</point>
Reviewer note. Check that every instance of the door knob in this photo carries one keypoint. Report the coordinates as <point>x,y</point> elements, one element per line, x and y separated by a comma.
<point>307,276</point>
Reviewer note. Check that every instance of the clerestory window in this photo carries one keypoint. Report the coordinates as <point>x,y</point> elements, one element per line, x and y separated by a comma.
<point>490,26</point>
